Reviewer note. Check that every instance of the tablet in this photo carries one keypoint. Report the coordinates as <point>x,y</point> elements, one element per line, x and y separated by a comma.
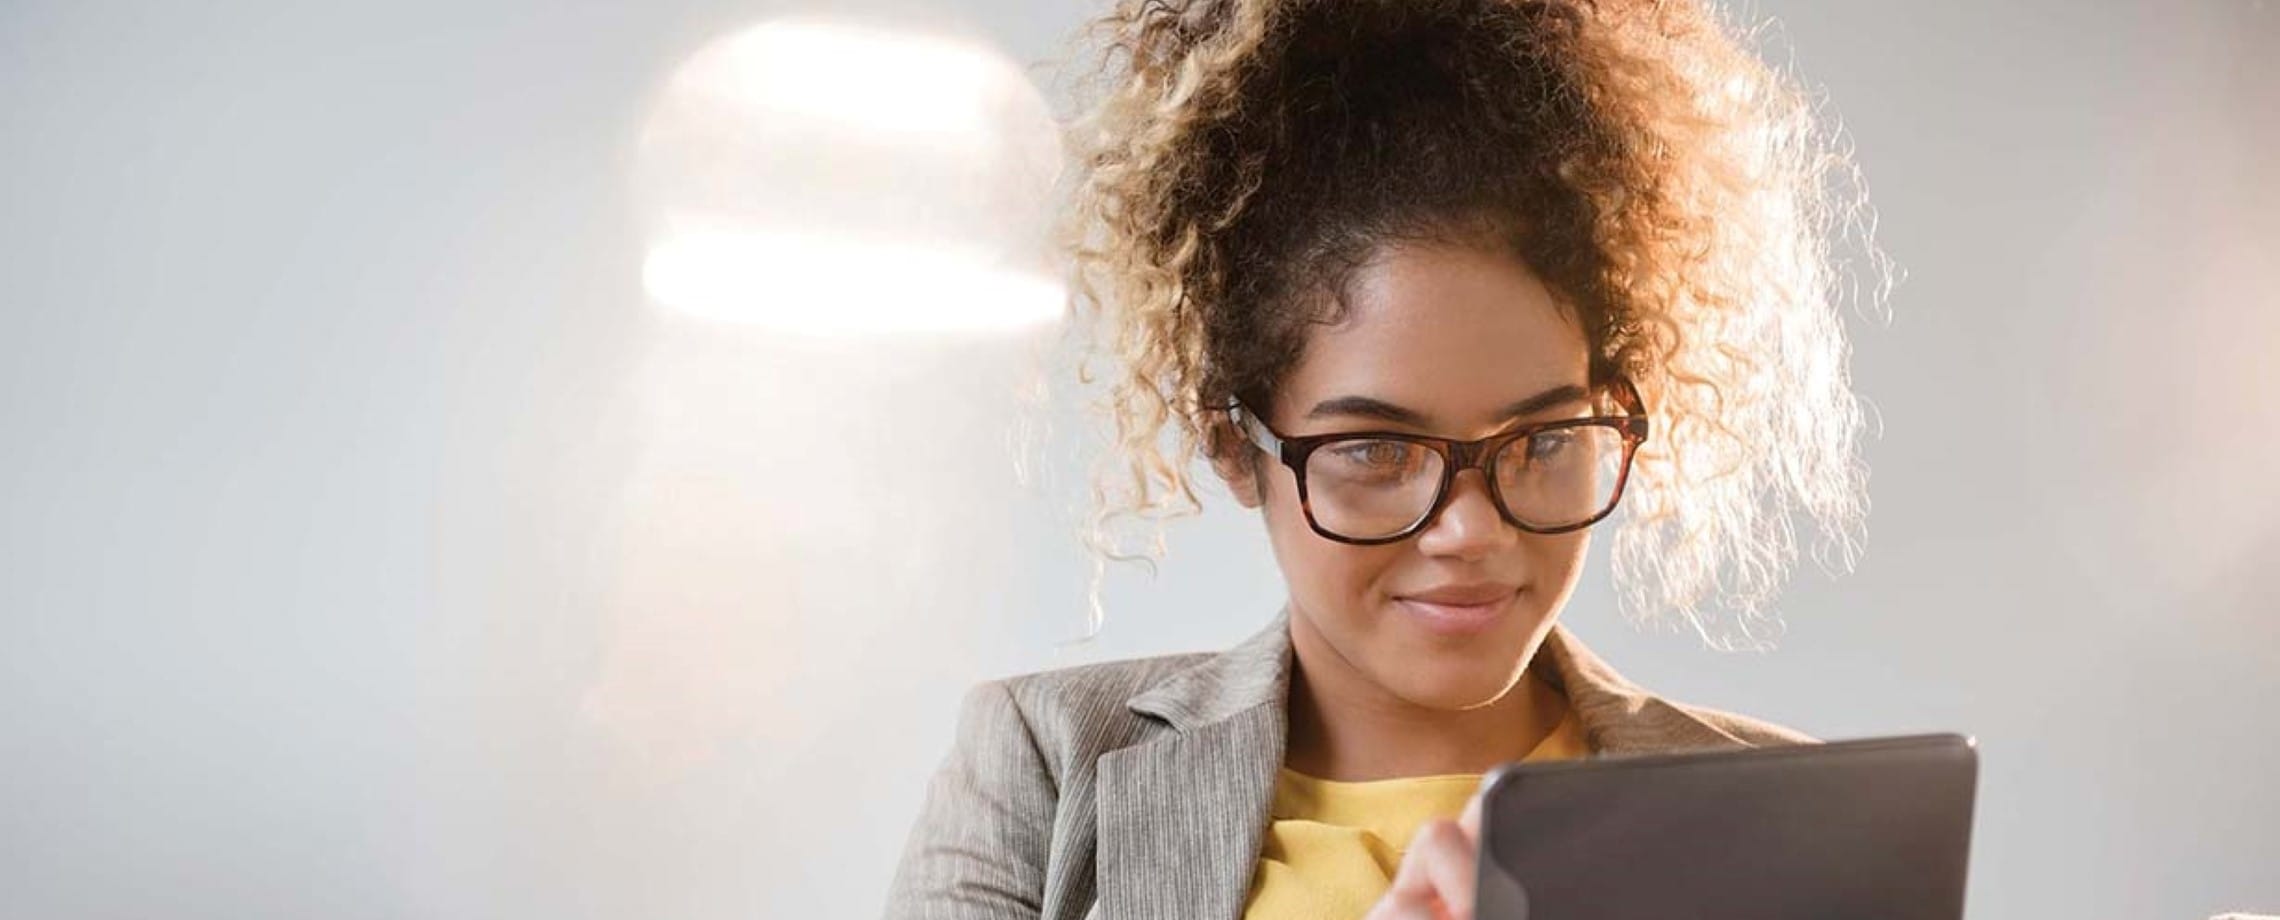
<point>1873,829</point>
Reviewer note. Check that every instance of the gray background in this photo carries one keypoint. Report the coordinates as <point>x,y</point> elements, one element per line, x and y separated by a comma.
<point>330,464</point>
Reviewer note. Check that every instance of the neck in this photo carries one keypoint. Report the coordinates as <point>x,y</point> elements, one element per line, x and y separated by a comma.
<point>1344,727</point>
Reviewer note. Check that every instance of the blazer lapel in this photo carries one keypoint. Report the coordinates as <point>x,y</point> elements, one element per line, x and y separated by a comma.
<point>1181,818</point>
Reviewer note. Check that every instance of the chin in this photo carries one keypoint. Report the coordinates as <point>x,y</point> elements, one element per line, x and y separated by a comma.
<point>1450,689</point>
<point>1457,677</point>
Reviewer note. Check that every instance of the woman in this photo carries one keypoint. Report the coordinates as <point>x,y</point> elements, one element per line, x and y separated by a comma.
<point>1433,285</point>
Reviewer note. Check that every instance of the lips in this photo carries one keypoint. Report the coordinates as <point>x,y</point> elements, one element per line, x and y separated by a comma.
<point>1458,609</point>
<point>1465,595</point>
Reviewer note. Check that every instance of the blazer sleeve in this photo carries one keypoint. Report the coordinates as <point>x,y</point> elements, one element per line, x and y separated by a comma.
<point>980,845</point>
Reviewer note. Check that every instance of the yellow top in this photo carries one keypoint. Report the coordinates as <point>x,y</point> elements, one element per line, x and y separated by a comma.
<point>1332,847</point>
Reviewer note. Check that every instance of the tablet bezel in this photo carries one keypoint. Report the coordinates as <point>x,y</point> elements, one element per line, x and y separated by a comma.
<point>1497,893</point>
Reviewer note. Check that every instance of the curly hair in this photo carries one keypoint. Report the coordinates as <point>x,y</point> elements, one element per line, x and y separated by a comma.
<point>1682,197</point>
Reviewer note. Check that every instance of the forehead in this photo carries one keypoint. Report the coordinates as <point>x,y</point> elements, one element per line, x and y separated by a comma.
<point>1454,332</point>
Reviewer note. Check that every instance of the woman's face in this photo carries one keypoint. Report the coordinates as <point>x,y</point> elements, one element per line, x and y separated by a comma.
<point>1442,340</point>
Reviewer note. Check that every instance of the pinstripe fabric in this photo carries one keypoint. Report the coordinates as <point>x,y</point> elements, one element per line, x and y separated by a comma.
<point>1139,789</point>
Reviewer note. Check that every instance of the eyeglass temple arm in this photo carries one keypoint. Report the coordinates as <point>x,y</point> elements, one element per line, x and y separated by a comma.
<point>1254,430</point>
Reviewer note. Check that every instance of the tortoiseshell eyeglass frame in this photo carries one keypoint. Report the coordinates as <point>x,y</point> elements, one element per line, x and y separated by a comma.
<point>1456,457</point>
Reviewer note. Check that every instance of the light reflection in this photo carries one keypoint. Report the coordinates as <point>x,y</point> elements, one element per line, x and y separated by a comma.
<point>813,284</point>
<point>844,228</point>
<point>825,179</point>
<point>879,80</point>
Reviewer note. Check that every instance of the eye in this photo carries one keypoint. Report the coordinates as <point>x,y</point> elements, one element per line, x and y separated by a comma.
<point>1550,445</point>
<point>1372,461</point>
<point>1385,455</point>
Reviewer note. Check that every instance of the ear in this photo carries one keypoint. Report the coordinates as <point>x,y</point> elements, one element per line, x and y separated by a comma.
<point>1234,458</point>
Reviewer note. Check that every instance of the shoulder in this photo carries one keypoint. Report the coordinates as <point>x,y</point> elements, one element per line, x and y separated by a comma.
<point>1750,731</point>
<point>1625,718</point>
<point>1067,717</point>
<point>1069,699</point>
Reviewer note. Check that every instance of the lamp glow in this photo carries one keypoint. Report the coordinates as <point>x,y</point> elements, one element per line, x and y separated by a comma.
<point>828,179</point>
<point>833,287</point>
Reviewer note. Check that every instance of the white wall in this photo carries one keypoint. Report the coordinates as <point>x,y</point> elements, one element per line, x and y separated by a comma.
<point>329,493</point>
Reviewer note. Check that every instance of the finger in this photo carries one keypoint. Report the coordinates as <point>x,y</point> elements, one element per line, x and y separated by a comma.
<point>1410,895</point>
<point>1408,904</point>
<point>1469,822</point>
<point>1447,861</point>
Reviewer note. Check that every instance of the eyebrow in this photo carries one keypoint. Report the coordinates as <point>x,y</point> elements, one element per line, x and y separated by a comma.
<point>1366,407</point>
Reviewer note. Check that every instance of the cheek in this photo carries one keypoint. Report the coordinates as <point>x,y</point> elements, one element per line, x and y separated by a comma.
<point>1555,564</point>
<point>1327,577</point>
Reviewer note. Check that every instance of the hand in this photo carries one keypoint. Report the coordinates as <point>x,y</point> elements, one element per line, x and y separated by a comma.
<point>1437,874</point>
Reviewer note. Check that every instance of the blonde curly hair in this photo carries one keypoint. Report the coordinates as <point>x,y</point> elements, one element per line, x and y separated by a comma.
<point>1680,195</point>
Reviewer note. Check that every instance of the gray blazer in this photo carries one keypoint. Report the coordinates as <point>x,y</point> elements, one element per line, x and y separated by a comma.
<point>1139,789</point>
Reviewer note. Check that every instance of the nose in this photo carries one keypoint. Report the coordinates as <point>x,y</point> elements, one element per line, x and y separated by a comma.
<point>1468,526</point>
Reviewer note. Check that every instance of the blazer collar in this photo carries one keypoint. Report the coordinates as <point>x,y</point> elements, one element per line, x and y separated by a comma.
<point>1618,716</point>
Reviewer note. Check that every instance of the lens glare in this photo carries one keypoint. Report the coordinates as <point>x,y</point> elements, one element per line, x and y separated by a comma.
<point>1366,488</point>
<point>1561,477</point>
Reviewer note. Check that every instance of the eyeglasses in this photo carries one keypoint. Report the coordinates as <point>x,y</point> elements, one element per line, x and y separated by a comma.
<point>1373,487</point>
